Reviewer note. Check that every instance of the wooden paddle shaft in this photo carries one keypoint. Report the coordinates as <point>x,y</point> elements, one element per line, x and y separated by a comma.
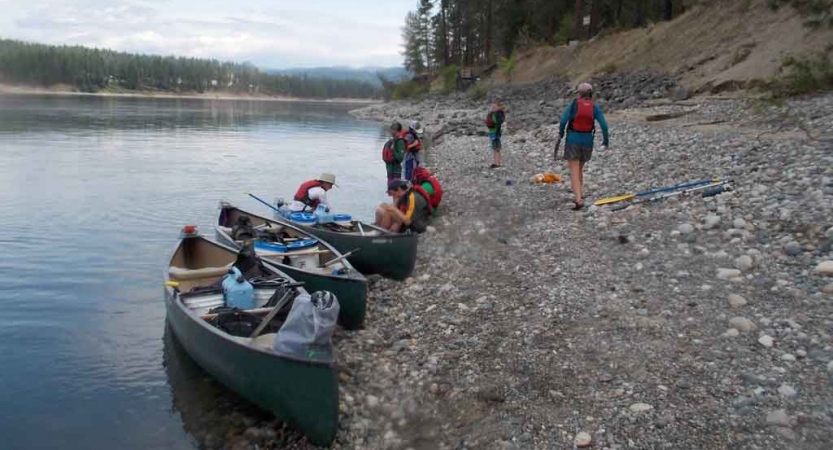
<point>273,313</point>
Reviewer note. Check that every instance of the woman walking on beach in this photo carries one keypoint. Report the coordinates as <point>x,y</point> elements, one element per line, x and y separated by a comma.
<point>580,121</point>
<point>494,122</point>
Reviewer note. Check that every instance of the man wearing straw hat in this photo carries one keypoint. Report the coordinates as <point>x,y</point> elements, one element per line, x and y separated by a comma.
<point>313,193</point>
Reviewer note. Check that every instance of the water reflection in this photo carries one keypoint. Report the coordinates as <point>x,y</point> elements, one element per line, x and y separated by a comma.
<point>216,417</point>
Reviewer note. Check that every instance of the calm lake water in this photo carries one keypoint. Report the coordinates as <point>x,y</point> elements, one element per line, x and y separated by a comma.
<point>93,192</point>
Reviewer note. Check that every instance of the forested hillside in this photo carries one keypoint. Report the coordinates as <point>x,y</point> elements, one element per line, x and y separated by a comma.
<point>93,70</point>
<point>368,74</point>
<point>443,33</point>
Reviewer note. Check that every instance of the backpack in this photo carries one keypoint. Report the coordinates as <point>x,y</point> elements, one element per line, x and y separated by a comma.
<point>583,119</point>
<point>243,229</point>
<point>388,156</point>
<point>490,123</point>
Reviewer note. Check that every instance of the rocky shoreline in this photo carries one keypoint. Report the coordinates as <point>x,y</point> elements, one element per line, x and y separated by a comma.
<point>692,323</point>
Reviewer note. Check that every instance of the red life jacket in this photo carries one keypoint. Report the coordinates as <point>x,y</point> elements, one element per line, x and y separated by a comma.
<point>389,150</point>
<point>583,121</point>
<point>490,123</point>
<point>435,199</point>
<point>302,195</point>
<point>403,203</point>
<point>416,145</point>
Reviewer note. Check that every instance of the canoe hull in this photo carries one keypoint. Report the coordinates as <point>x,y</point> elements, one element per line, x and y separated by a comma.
<point>302,393</point>
<point>390,255</point>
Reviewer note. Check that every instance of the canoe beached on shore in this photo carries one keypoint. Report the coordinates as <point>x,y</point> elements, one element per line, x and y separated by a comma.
<point>391,255</point>
<point>303,257</point>
<point>303,393</point>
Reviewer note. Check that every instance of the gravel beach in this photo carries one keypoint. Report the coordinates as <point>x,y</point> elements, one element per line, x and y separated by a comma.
<point>688,324</point>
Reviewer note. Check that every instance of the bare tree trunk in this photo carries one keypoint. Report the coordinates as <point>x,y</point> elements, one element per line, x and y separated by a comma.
<point>489,32</point>
<point>669,10</point>
<point>577,22</point>
<point>619,11</point>
<point>595,5</point>
<point>444,20</point>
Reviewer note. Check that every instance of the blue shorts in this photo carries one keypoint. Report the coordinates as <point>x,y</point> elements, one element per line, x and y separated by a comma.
<point>495,142</point>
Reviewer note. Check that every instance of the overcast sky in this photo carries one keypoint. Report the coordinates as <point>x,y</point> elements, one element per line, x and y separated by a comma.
<point>269,33</point>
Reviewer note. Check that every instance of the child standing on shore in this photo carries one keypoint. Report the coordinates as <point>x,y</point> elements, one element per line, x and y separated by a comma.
<point>494,122</point>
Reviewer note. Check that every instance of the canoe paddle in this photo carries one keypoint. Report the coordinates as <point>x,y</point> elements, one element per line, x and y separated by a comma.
<point>620,198</point>
<point>274,312</point>
<point>555,151</point>
<point>335,260</point>
<point>262,201</point>
<point>709,190</point>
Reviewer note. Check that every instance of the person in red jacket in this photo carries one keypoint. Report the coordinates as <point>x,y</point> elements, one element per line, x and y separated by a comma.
<point>431,185</point>
<point>313,193</point>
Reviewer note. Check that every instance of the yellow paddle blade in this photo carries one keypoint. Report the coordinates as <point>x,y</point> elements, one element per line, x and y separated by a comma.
<point>609,200</point>
<point>172,284</point>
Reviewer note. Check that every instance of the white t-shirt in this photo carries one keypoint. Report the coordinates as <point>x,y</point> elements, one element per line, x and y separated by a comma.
<point>316,193</point>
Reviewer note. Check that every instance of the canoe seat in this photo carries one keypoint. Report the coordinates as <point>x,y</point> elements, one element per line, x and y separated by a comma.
<point>182,274</point>
<point>265,340</point>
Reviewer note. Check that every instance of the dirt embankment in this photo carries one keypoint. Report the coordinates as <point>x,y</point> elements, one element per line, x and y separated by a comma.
<point>721,45</point>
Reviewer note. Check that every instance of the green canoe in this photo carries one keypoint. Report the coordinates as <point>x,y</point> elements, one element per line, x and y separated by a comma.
<point>308,264</point>
<point>391,255</point>
<point>302,393</point>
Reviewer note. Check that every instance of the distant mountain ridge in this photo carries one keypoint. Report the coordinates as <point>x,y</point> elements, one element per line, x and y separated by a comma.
<point>367,74</point>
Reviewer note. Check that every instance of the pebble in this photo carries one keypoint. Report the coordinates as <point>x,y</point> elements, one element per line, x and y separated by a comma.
<point>731,332</point>
<point>372,401</point>
<point>789,357</point>
<point>778,418</point>
<point>641,408</point>
<point>685,228</point>
<point>711,221</point>
<point>742,324</point>
<point>787,391</point>
<point>725,274</point>
<point>736,301</point>
<point>739,223</point>
<point>766,341</point>
<point>793,248</point>
<point>744,262</point>
<point>801,353</point>
<point>583,439</point>
<point>825,268</point>
<point>830,367</point>
<point>827,289</point>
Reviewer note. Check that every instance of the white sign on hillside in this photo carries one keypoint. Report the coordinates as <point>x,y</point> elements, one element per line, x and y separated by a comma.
<point>586,20</point>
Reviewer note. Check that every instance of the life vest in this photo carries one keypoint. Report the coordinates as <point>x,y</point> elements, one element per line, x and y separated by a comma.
<point>422,175</point>
<point>303,193</point>
<point>490,123</point>
<point>403,203</point>
<point>435,199</point>
<point>389,150</point>
<point>583,120</point>
<point>416,145</point>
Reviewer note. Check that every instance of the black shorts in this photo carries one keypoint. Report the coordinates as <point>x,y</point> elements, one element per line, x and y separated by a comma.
<point>578,152</point>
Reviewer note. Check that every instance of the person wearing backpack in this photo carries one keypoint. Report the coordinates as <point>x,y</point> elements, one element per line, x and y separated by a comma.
<point>579,122</point>
<point>494,122</point>
<point>413,148</point>
<point>393,152</point>
<point>431,185</point>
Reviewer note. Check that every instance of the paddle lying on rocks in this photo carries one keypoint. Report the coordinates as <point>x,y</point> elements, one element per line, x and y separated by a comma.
<point>621,198</point>
<point>708,190</point>
<point>555,151</point>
